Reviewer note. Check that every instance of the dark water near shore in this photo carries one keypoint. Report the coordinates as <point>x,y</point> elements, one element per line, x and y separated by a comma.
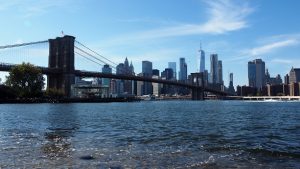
<point>166,134</point>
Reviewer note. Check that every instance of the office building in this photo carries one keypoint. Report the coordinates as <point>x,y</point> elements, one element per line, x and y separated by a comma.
<point>202,60</point>
<point>147,72</point>
<point>125,86</point>
<point>220,72</point>
<point>156,86</point>
<point>183,70</point>
<point>231,87</point>
<point>214,68</point>
<point>172,65</point>
<point>294,75</point>
<point>155,72</point>
<point>286,79</point>
<point>106,69</point>
<point>256,73</point>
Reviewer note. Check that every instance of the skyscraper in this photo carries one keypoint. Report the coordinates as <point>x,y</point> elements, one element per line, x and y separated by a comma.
<point>172,65</point>
<point>294,76</point>
<point>220,72</point>
<point>202,59</point>
<point>124,86</point>
<point>147,72</point>
<point>155,72</point>
<point>256,73</point>
<point>183,70</point>
<point>231,87</point>
<point>214,68</point>
<point>108,70</point>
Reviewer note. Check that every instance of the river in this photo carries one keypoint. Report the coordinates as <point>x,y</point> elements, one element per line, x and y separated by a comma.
<point>154,134</point>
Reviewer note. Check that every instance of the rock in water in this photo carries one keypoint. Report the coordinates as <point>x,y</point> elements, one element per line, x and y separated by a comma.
<point>88,157</point>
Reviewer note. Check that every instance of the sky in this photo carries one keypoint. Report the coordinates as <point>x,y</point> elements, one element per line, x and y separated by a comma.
<point>163,31</point>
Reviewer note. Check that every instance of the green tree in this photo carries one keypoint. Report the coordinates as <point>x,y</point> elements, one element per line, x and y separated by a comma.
<point>26,79</point>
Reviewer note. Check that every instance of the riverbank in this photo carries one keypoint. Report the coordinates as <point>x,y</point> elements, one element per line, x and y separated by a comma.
<point>66,100</point>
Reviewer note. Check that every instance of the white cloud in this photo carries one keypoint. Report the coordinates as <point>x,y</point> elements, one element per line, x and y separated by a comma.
<point>223,16</point>
<point>267,48</point>
<point>282,61</point>
<point>269,45</point>
<point>31,8</point>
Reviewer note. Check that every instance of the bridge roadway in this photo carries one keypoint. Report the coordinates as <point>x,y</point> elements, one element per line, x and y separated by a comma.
<point>80,73</point>
<point>6,67</point>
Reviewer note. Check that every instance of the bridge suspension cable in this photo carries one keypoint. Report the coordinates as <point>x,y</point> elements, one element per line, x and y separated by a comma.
<point>92,56</point>
<point>88,58</point>
<point>22,44</point>
<point>97,54</point>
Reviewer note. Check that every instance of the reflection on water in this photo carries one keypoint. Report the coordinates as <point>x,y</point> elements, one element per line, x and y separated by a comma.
<point>62,127</point>
<point>185,134</point>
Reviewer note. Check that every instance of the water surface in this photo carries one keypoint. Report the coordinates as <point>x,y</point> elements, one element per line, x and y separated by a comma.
<point>159,134</point>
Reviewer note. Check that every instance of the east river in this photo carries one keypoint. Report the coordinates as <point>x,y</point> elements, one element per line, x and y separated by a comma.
<point>154,134</point>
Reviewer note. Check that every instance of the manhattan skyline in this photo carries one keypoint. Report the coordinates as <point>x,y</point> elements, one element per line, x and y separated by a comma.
<point>162,32</point>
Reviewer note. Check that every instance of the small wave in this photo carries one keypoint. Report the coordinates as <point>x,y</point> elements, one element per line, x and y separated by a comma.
<point>275,153</point>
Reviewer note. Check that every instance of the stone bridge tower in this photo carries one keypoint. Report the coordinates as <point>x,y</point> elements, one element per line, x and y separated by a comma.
<point>61,56</point>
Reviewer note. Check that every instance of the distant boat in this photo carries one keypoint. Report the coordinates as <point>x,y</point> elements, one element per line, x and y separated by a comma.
<point>148,98</point>
<point>271,100</point>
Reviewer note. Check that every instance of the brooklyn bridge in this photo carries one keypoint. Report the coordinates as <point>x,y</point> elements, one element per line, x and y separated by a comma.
<point>61,71</point>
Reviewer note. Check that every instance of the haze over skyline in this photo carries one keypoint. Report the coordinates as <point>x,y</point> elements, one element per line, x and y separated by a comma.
<point>164,31</point>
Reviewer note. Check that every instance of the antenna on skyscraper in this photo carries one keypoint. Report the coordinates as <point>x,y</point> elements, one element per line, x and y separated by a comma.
<point>200,45</point>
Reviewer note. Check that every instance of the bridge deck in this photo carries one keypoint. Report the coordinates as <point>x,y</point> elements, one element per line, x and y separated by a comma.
<point>80,73</point>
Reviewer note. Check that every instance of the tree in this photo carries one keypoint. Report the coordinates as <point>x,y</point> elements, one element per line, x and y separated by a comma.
<point>26,79</point>
<point>7,92</point>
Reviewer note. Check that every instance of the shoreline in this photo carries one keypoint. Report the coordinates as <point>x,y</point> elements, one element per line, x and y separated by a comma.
<point>66,100</point>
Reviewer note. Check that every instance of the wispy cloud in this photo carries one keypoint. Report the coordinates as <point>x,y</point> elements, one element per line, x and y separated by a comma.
<point>223,16</point>
<point>271,47</point>
<point>282,61</point>
<point>31,8</point>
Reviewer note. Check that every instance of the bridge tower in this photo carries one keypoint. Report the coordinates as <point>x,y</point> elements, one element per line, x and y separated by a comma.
<point>198,81</point>
<point>61,56</point>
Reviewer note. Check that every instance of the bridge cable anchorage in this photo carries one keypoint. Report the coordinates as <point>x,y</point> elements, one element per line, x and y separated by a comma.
<point>89,59</point>
<point>96,53</point>
<point>22,44</point>
<point>83,51</point>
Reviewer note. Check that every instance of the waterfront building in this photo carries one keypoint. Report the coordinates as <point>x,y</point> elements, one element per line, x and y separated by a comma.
<point>246,91</point>
<point>278,90</point>
<point>172,65</point>
<point>214,68</point>
<point>256,73</point>
<point>147,72</point>
<point>139,86</point>
<point>167,74</point>
<point>294,75</point>
<point>106,69</point>
<point>231,87</point>
<point>286,79</point>
<point>202,59</point>
<point>125,86</point>
<point>155,72</point>
<point>156,86</point>
<point>183,70</point>
<point>294,89</point>
<point>272,80</point>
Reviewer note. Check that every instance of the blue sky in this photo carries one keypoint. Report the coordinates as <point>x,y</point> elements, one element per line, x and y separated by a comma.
<point>163,31</point>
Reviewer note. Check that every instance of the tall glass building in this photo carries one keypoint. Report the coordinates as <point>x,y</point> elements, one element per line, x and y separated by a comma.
<point>256,73</point>
<point>220,72</point>
<point>147,72</point>
<point>172,65</point>
<point>108,70</point>
<point>202,60</point>
<point>183,69</point>
<point>214,68</point>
